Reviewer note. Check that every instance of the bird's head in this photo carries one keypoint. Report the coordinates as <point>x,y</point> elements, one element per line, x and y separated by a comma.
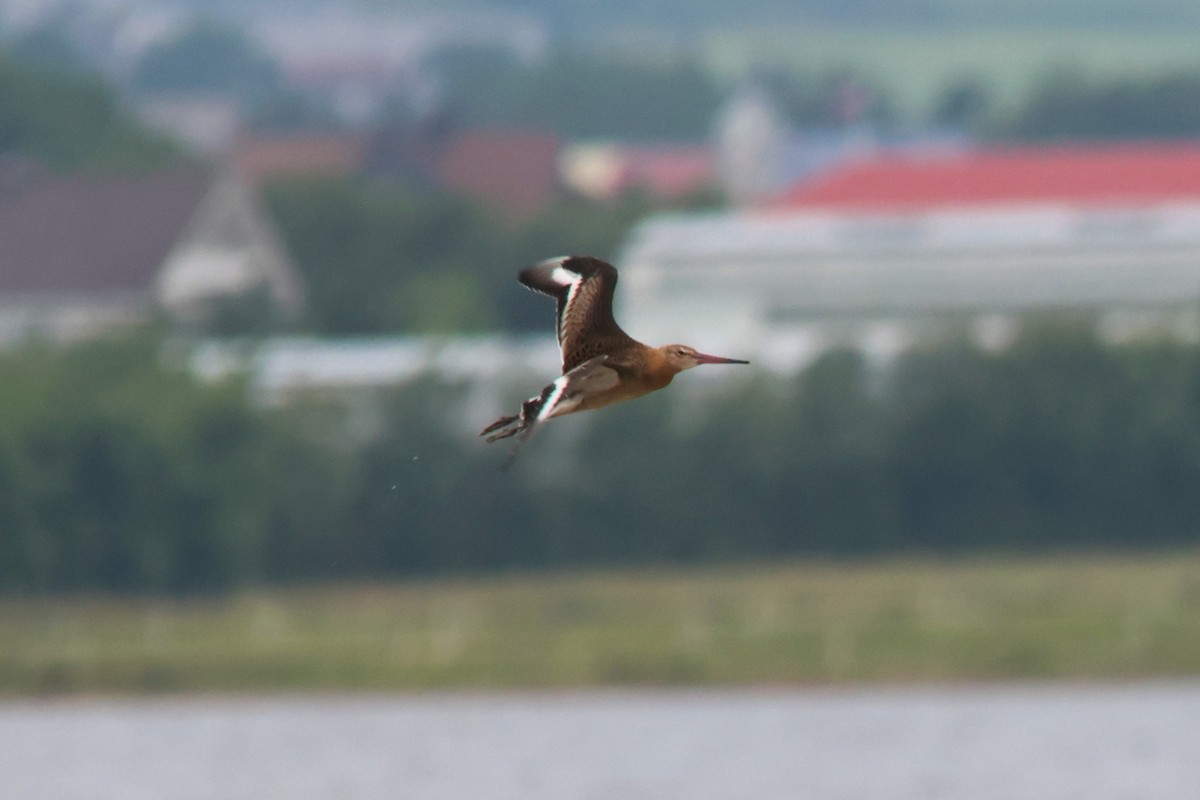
<point>682,357</point>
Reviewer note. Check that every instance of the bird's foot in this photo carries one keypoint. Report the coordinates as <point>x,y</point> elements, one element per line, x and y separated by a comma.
<point>497,425</point>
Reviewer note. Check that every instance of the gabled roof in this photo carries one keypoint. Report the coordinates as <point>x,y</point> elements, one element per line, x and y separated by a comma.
<point>90,234</point>
<point>1134,173</point>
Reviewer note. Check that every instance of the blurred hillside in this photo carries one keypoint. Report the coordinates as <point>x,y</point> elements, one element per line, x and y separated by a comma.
<point>317,61</point>
<point>601,18</point>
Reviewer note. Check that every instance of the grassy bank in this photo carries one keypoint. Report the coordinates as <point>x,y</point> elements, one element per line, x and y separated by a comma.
<point>1066,617</point>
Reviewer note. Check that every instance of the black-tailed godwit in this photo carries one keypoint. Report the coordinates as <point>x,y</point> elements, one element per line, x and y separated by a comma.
<point>601,364</point>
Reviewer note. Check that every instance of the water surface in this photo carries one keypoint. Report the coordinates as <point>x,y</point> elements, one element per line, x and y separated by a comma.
<point>1123,742</point>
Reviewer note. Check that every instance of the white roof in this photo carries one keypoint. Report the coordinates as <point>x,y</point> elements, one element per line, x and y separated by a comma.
<point>279,367</point>
<point>823,263</point>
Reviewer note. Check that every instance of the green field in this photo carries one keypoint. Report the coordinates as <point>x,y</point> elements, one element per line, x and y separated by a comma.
<point>1053,618</point>
<point>914,66</point>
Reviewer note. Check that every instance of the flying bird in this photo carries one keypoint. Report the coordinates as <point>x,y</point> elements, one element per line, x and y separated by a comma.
<point>601,364</point>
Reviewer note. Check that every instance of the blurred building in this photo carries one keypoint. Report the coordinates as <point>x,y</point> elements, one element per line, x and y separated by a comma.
<point>878,253</point>
<point>603,171</point>
<point>287,366</point>
<point>358,60</point>
<point>760,153</point>
<point>82,253</point>
<point>751,140</point>
<point>205,123</point>
<point>301,154</point>
<point>514,173</point>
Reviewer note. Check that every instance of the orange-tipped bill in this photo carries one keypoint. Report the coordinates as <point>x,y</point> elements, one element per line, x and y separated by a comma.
<point>703,358</point>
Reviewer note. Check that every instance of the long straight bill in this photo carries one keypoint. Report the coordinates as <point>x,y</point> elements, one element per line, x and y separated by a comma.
<point>704,358</point>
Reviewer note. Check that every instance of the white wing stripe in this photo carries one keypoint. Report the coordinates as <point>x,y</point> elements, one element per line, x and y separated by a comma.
<point>572,280</point>
<point>547,409</point>
<point>563,276</point>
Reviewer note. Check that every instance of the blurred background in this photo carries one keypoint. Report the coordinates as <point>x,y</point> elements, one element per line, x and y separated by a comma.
<point>257,297</point>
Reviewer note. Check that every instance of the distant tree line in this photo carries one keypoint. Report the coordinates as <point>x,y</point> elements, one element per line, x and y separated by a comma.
<point>51,109</point>
<point>71,121</point>
<point>586,19</point>
<point>581,95</point>
<point>377,258</point>
<point>1069,105</point>
<point>121,472</point>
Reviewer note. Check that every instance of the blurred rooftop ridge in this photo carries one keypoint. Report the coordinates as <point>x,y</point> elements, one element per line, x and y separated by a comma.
<point>888,250</point>
<point>1126,172</point>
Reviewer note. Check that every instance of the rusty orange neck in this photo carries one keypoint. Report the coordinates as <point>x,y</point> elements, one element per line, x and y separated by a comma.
<point>658,368</point>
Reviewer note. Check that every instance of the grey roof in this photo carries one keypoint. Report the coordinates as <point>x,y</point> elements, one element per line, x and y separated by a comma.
<point>91,234</point>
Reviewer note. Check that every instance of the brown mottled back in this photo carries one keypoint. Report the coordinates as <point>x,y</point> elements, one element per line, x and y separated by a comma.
<point>583,288</point>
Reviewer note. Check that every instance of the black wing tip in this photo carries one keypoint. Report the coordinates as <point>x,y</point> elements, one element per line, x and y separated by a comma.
<point>537,276</point>
<point>579,264</point>
<point>586,265</point>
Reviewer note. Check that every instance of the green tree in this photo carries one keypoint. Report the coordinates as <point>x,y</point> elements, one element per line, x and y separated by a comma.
<point>71,121</point>
<point>209,56</point>
<point>48,45</point>
<point>122,474</point>
<point>1068,104</point>
<point>581,97</point>
<point>964,104</point>
<point>376,258</point>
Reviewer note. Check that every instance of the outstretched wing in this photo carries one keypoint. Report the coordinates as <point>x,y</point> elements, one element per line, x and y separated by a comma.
<point>570,389</point>
<point>563,396</point>
<point>583,288</point>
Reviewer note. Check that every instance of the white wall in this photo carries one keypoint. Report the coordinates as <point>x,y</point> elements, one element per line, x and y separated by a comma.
<point>228,249</point>
<point>742,280</point>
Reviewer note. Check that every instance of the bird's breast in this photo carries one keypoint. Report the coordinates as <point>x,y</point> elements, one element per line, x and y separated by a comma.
<point>628,389</point>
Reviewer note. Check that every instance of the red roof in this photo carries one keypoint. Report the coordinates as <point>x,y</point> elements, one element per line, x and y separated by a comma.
<point>1125,173</point>
<point>516,172</point>
<point>264,158</point>
<point>667,171</point>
